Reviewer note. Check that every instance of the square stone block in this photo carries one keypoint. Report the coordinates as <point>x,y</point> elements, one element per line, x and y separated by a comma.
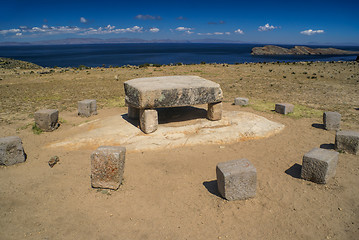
<point>241,101</point>
<point>148,120</point>
<point>347,141</point>
<point>319,165</point>
<point>47,119</point>
<point>284,108</point>
<point>107,167</point>
<point>214,111</point>
<point>237,179</point>
<point>87,107</point>
<point>331,120</point>
<point>11,151</point>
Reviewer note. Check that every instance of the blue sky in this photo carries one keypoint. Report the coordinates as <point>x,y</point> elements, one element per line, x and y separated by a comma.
<point>281,22</point>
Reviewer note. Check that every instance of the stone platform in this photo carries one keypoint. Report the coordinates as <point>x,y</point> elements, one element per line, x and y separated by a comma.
<point>184,126</point>
<point>143,95</point>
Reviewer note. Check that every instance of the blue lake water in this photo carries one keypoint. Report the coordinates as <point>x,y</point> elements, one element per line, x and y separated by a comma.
<point>93,55</point>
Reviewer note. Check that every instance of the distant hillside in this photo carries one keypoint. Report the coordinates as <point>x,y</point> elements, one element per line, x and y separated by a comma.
<point>299,50</point>
<point>69,41</point>
<point>10,63</point>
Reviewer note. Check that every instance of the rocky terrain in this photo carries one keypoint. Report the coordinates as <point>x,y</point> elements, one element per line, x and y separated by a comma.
<point>171,193</point>
<point>299,50</point>
<point>10,63</point>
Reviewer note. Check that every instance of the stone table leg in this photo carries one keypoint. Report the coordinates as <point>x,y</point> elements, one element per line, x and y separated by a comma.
<point>214,112</point>
<point>133,112</point>
<point>148,120</point>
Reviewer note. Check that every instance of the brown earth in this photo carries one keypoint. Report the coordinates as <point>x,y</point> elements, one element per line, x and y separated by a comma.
<point>171,193</point>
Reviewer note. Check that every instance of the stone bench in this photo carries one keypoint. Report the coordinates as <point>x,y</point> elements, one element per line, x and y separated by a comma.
<point>331,120</point>
<point>319,165</point>
<point>347,141</point>
<point>11,151</point>
<point>144,95</point>
<point>87,107</point>
<point>47,119</point>
<point>107,167</point>
<point>236,179</point>
<point>241,101</point>
<point>284,108</point>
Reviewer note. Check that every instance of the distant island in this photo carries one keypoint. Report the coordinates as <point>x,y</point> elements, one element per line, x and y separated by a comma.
<point>299,50</point>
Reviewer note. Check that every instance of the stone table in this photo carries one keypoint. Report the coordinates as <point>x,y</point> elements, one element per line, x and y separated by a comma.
<point>144,95</point>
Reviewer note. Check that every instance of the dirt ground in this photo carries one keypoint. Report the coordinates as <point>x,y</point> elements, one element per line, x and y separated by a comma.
<point>172,193</point>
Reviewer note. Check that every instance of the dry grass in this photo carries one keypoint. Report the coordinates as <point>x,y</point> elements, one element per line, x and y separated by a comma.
<point>312,87</point>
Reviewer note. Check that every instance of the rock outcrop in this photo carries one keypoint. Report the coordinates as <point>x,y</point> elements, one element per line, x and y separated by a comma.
<point>299,50</point>
<point>9,63</point>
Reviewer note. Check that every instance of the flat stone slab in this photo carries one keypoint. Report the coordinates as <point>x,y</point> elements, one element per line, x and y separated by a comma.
<point>234,126</point>
<point>319,165</point>
<point>11,151</point>
<point>171,91</point>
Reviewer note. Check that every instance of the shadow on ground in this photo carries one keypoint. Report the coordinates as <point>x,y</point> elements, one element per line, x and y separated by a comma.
<point>294,171</point>
<point>212,188</point>
<point>328,146</point>
<point>134,122</point>
<point>318,125</point>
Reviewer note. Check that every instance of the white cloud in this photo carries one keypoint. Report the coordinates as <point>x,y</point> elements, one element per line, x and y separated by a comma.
<point>239,31</point>
<point>112,29</point>
<point>205,34</point>
<point>266,27</point>
<point>83,20</point>
<point>184,29</point>
<point>154,30</point>
<point>311,32</point>
<point>14,30</point>
<point>148,17</point>
<point>51,30</point>
<point>218,33</point>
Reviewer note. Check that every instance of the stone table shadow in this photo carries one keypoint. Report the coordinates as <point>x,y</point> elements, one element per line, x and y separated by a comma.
<point>173,114</point>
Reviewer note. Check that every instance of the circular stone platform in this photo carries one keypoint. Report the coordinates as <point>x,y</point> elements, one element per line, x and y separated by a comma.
<point>119,130</point>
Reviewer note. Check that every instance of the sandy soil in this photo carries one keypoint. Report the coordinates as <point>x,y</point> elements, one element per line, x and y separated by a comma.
<point>171,193</point>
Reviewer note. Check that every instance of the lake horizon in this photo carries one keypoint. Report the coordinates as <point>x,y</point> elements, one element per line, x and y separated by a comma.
<point>122,54</point>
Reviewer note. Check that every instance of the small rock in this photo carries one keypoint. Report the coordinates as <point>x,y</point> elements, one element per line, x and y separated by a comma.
<point>53,160</point>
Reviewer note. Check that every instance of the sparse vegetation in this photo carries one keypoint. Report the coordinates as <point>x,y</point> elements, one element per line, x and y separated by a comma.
<point>36,130</point>
<point>22,92</point>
